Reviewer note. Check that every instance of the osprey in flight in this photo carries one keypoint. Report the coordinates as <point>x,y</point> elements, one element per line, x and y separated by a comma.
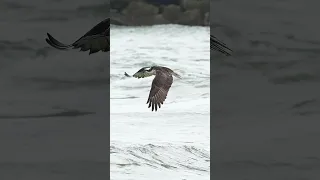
<point>216,44</point>
<point>95,40</point>
<point>160,84</point>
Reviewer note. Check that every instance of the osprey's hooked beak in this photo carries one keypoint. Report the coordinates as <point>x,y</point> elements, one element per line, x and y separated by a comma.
<point>126,74</point>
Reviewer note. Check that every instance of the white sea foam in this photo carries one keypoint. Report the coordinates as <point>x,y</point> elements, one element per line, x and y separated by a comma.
<point>172,143</point>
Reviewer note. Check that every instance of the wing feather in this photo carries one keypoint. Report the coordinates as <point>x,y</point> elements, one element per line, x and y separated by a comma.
<point>159,90</point>
<point>217,45</point>
<point>95,40</point>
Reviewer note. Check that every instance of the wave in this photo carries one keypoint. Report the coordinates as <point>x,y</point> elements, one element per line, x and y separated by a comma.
<point>183,157</point>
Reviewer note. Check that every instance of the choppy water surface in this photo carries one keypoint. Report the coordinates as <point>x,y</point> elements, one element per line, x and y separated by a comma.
<point>53,105</point>
<point>172,143</point>
<point>265,118</point>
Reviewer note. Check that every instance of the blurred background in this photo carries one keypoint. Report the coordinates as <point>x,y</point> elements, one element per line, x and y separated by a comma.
<point>265,99</point>
<point>151,12</point>
<point>54,105</point>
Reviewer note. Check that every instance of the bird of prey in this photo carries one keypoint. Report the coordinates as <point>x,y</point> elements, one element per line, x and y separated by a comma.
<point>95,40</point>
<point>160,84</point>
<point>216,44</point>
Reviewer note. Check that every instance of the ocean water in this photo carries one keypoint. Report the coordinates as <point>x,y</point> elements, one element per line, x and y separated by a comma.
<point>265,99</point>
<point>174,142</point>
<point>53,107</point>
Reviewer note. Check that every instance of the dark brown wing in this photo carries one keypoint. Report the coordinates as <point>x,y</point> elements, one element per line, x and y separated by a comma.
<point>159,90</point>
<point>217,45</point>
<point>95,40</point>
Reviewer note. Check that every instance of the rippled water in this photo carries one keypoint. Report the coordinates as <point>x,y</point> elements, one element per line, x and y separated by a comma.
<point>172,143</point>
<point>265,118</point>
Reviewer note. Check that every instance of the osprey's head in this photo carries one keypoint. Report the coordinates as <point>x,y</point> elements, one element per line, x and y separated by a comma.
<point>145,72</point>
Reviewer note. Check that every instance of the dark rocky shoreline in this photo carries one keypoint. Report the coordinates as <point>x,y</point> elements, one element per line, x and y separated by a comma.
<point>153,12</point>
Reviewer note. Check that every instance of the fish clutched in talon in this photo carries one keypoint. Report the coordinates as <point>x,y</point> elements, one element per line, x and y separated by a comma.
<point>160,85</point>
<point>216,44</point>
<point>95,40</point>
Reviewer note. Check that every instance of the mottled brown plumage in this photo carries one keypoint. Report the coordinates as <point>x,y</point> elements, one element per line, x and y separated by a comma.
<point>95,40</point>
<point>160,85</point>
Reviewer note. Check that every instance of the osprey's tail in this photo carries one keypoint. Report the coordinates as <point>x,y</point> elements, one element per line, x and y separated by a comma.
<point>172,72</point>
<point>176,75</point>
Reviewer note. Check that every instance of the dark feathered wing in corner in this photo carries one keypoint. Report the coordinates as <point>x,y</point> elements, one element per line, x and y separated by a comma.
<point>95,40</point>
<point>217,45</point>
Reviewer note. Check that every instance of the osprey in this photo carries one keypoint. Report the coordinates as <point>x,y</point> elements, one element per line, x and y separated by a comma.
<point>95,40</point>
<point>217,45</point>
<point>160,84</point>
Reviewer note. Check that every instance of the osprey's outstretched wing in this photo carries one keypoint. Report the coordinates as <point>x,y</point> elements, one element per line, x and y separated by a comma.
<point>217,45</point>
<point>159,90</point>
<point>95,40</point>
